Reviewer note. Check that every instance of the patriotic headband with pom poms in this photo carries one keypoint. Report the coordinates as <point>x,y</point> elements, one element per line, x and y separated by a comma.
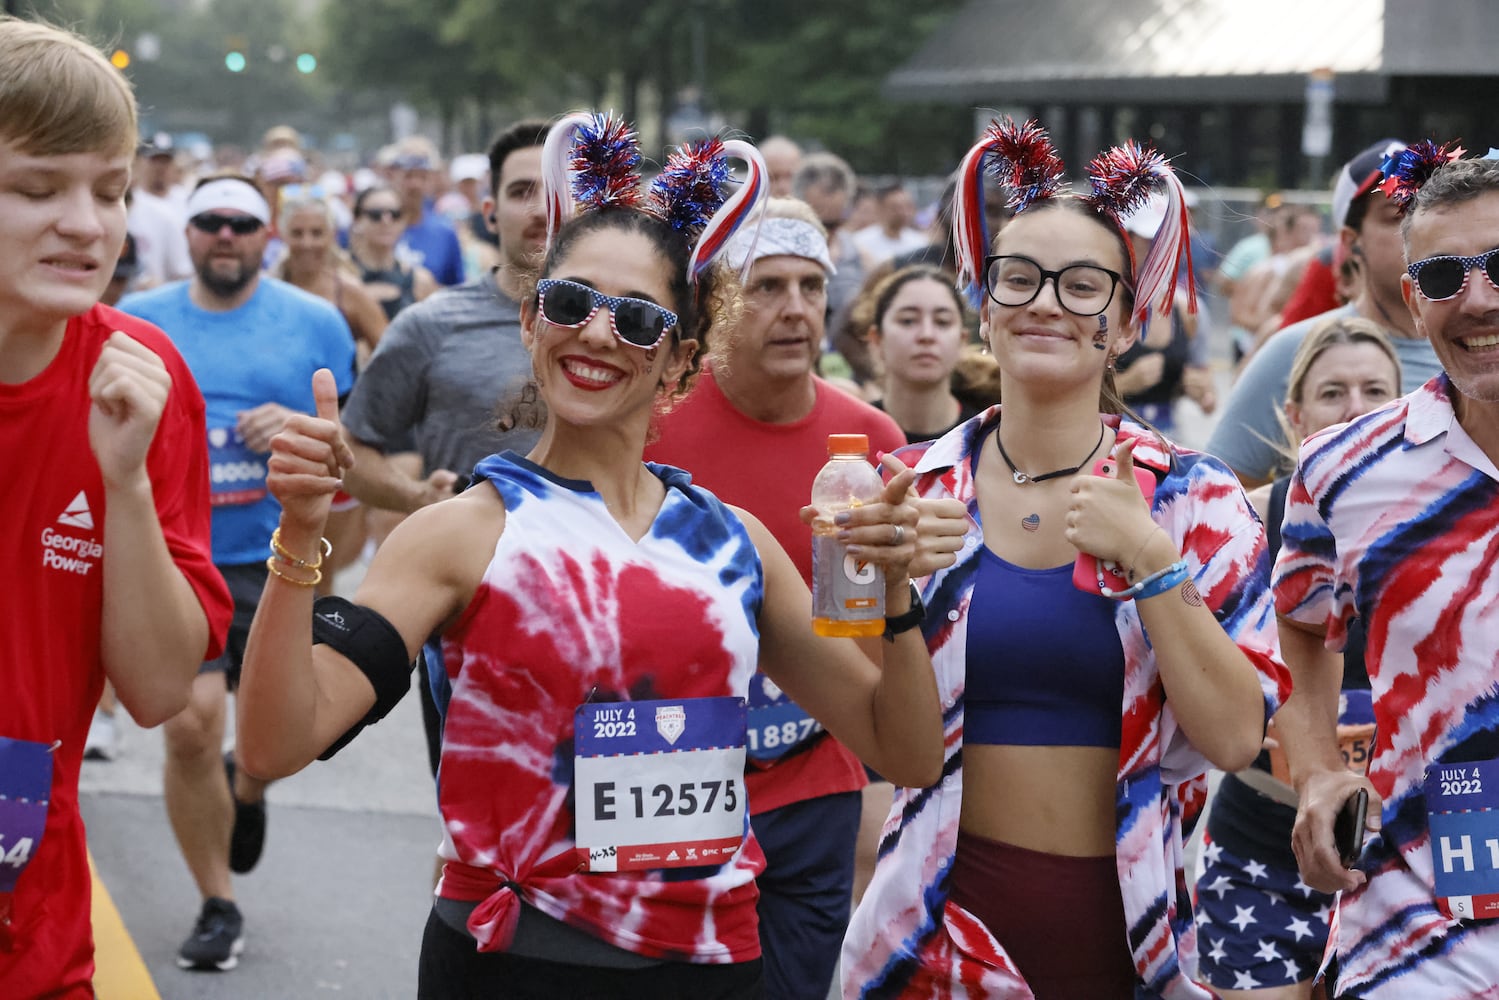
<point>1406,170</point>
<point>1022,160</point>
<point>590,161</point>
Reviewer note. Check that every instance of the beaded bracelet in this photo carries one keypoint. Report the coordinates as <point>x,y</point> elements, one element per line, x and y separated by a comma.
<point>285,555</point>
<point>271,564</point>
<point>1159,582</point>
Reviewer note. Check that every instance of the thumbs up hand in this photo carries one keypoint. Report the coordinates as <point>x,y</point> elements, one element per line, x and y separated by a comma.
<point>1108,515</point>
<point>308,458</point>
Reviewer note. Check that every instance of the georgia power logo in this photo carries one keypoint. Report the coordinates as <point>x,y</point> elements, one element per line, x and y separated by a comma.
<point>68,551</point>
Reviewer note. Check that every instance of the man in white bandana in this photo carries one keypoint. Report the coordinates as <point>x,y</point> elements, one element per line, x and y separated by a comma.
<point>252,343</point>
<point>754,430</point>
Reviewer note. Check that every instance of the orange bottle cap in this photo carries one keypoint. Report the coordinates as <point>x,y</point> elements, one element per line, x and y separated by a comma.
<point>848,444</point>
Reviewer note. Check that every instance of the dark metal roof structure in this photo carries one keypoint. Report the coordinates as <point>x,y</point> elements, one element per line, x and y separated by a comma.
<point>1191,51</point>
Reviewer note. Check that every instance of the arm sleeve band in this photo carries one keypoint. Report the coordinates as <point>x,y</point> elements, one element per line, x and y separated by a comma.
<point>374,646</point>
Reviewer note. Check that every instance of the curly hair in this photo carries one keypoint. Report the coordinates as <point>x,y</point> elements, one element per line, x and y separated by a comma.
<point>706,311</point>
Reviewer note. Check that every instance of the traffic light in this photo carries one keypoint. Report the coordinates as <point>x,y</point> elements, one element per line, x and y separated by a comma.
<point>235,62</point>
<point>119,59</point>
<point>306,62</point>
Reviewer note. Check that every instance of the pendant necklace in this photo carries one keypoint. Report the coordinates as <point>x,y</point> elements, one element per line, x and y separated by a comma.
<point>1032,522</point>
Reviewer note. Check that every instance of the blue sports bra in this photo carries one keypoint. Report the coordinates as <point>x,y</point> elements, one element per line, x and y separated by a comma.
<point>1045,664</point>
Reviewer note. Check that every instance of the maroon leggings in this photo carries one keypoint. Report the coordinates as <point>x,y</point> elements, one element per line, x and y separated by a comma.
<point>1060,919</point>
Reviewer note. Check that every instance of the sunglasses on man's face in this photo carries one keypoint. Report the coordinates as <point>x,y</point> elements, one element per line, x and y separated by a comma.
<point>1439,278</point>
<point>636,322</point>
<point>381,214</point>
<point>239,225</point>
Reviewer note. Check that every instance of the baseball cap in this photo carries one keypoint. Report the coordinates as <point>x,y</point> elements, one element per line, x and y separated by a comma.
<point>1146,220</point>
<point>159,144</point>
<point>468,167</point>
<point>1359,176</point>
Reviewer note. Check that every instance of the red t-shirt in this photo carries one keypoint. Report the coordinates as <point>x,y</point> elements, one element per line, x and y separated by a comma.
<point>51,672</point>
<point>768,470</point>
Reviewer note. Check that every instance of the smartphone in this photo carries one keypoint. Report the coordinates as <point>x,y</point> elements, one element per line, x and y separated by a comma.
<point>1348,827</point>
<point>1085,569</point>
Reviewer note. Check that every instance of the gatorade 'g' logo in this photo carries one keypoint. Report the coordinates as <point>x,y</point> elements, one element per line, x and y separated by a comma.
<point>857,571</point>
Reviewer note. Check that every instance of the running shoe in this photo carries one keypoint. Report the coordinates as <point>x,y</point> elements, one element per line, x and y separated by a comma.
<point>217,939</point>
<point>103,740</point>
<point>248,837</point>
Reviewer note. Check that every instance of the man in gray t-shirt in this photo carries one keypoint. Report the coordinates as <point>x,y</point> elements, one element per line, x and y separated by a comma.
<point>450,366</point>
<point>1248,436</point>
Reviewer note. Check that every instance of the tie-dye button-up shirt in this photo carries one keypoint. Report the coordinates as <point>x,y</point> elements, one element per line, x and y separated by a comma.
<point>907,939</point>
<point>1394,519</point>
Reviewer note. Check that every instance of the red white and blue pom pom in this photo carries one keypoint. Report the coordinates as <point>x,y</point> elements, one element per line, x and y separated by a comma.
<point>734,213</point>
<point>1123,179</point>
<point>1408,169</point>
<point>588,160</point>
<point>1025,163</point>
<point>690,186</point>
<point>606,164</point>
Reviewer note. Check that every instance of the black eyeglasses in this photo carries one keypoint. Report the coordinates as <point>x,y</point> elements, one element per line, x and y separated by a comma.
<point>637,322</point>
<point>1439,278</point>
<point>381,214</point>
<point>239,225</point>
<point>1082,289</point>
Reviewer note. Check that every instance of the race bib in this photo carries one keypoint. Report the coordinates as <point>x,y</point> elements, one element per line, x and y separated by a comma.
<point>659,784</point>
<point>1355,735</point>
<point>777,725</point>
<point>1462,813</point>
<point>236,475</point>
<point>25,788</point>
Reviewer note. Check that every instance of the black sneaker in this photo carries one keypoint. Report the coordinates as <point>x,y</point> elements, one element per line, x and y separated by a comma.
<point>217,939</point>
<point>247,839</point>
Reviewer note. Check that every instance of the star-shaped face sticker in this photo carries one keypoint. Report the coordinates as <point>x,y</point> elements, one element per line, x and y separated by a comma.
<point>1300,928</point>
<point>1243,917</point>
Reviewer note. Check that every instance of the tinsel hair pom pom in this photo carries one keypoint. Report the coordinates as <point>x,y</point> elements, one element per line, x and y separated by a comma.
<point>1024,162</point>
<point>1407,170</point>
<point>606,164</point>
<point>1123,179</point>
<point>690,186</point>
<point>590,161</point>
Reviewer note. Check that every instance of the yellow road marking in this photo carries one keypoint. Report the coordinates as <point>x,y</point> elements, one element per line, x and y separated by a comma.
<point>119,971</point>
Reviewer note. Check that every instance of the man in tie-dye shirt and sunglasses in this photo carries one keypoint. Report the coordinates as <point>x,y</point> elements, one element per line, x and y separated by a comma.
<point>1394,519</point>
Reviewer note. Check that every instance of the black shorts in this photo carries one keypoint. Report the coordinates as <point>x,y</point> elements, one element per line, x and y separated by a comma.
<point>453,968</point>
<point>246,582</point>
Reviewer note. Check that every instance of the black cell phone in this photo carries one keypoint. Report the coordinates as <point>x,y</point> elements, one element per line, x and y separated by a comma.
<point>1348,828</point>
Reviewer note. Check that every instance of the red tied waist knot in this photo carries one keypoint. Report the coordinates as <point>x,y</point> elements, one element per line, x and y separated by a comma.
<point>493,921</point>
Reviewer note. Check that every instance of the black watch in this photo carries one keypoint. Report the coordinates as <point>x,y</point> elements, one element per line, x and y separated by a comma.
<point>914,616</point>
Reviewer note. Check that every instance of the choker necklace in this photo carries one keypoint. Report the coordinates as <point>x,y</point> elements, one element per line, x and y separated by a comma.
<point>1021,478</point>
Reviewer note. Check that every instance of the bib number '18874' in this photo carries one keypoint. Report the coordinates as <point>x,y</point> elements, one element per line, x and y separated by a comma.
<point>659,784</point>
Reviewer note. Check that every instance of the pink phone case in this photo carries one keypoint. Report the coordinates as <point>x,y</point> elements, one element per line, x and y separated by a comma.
<point>1085,569</point>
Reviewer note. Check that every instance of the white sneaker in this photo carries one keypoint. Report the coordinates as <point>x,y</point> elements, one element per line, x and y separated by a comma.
<point>103,742</point>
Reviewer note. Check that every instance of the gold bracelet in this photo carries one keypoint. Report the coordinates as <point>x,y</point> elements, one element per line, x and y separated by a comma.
<point>1148,536</point>
<point>317,574</point>
<point>285,555</point>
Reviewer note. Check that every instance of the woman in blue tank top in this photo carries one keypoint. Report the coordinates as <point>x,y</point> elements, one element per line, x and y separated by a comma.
<point>597,617</point>
<point>1085,697</point>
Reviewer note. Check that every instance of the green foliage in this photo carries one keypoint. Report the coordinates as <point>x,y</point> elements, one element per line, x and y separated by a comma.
<point>812,70</point>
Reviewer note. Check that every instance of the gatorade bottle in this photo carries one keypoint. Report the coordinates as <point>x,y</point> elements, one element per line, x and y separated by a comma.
<point>848,595</point>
